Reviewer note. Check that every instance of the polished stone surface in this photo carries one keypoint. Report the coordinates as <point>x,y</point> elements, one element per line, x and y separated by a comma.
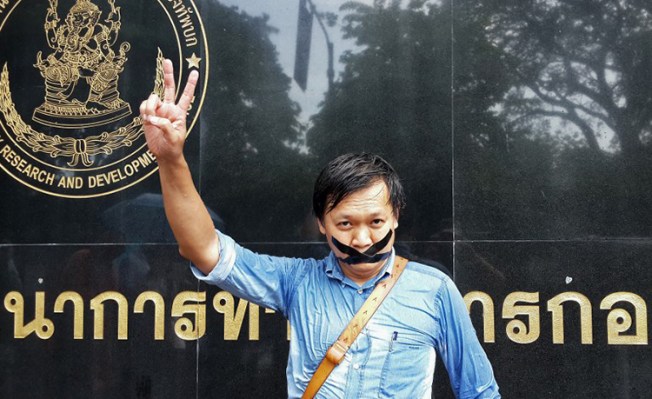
<point>97,361</point>
<point>552,120</point>
<point>255,171</point>
<point>596,354</point>
<point>521,131</point>
<point>63,184</point>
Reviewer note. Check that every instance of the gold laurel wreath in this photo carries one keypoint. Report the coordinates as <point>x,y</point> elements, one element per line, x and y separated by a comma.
<point>76,149</point>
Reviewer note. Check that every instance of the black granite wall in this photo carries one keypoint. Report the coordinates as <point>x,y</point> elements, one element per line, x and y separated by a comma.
<point>521,131</point>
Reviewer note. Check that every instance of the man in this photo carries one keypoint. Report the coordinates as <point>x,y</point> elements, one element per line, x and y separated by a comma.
<point>357,202</point>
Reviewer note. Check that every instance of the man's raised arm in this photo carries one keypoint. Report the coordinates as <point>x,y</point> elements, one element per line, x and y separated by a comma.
<point>165,130</point>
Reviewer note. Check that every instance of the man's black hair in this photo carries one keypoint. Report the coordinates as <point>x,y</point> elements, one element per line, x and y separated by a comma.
<point>352,172</point>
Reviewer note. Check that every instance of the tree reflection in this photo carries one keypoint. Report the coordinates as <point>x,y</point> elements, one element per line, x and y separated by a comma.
<point>254,175</point>
<point>585,62</point>
<point>394,98</point>
<point>546,105</point>
<point>579,88</point>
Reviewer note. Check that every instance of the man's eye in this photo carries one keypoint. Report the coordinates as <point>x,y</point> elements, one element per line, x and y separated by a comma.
<point>344,224</point>
<point>377,221</point>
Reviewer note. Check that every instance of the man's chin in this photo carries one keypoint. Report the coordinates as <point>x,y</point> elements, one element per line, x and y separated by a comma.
<point>378,259</point>
<point>362,265</point>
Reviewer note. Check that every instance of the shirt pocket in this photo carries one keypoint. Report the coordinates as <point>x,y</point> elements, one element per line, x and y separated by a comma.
<point>406,367</point>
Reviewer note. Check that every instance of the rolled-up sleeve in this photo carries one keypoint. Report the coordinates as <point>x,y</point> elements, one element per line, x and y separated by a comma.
<point>224,264</point>
<point>469,369</point>
<point>268,281</point>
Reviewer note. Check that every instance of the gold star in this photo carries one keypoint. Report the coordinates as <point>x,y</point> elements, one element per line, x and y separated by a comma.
<point>193,61</point>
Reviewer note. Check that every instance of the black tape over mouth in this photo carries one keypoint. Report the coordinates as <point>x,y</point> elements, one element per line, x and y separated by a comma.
<point>371,255</point>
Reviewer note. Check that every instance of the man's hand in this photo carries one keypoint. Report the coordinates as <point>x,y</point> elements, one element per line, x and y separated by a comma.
<point>164,121</point>
<point>165,131</point>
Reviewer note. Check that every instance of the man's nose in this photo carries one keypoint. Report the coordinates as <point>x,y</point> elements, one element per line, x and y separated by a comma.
<point>361,239</point>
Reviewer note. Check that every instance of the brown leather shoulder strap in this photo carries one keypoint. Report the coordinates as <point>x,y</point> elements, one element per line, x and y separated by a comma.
<point>336,352</point>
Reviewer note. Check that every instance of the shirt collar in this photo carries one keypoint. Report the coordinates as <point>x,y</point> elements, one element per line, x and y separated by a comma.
<point>334,271</point>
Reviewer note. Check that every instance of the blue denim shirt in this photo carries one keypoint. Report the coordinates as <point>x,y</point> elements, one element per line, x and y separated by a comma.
<point>394,356</point>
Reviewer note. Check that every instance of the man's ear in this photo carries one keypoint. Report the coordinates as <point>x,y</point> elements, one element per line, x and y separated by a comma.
<point>395,220</point>
<point>321,226</point>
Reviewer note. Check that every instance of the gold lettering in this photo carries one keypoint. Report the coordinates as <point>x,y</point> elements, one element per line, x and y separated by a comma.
<point>92,182</point>
<point>118,176</point>
<point>42,327</point>
<point>24,167</point>
<point>10,154</point>
<point>254,322</point>
<point>184,327</point>
<point>129,169</point>
<point>75,182</point>
<point>488,318</point>
<point>12,157</point>
<point>78,309</point>
<point>517,330</point>
<point>146,159</point>
<point>135,164</point>
<point>619,320</point>
<point>21,166</point>
<point>30,171</point>
<point>224,303</point>
<point>186,22</point>
<point>187,26</point>
<point>103,179</point>
<point>627,325</point>
<point>159,311</point>
<point>97,305</point>
<point>191,37</point>
<point>557,310</point>
<point>48,179</point>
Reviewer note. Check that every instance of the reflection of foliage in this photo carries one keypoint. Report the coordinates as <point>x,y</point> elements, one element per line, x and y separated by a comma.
<point>393,98</point>
<point>329,17</point>
<point>584,62</point>
<point>249,126</point>
<point>581,63</point>
<point>604,195</point>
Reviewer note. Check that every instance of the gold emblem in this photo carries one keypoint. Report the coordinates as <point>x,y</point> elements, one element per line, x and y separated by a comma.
<point>81,139</point>
<point>81,72</point>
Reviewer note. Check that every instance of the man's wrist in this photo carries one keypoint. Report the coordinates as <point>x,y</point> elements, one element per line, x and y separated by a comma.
<point>172,164</point>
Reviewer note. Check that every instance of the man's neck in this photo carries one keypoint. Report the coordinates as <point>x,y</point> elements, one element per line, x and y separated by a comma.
<point>362,273</point>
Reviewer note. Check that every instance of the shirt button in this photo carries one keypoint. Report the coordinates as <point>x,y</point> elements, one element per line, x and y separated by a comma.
<point>356,366</point>
<point>360,291</point>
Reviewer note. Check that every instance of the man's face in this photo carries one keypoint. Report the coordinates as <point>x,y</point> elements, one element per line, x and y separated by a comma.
<point>360,220</point>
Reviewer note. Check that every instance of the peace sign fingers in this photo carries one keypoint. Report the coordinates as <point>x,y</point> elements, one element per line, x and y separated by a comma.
<point>164,121</point>
<point>170,90</point>
<point>169,93</point>
<point>188,91</point>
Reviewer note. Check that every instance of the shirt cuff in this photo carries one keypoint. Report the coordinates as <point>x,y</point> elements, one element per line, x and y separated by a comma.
<point>224,265</point>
